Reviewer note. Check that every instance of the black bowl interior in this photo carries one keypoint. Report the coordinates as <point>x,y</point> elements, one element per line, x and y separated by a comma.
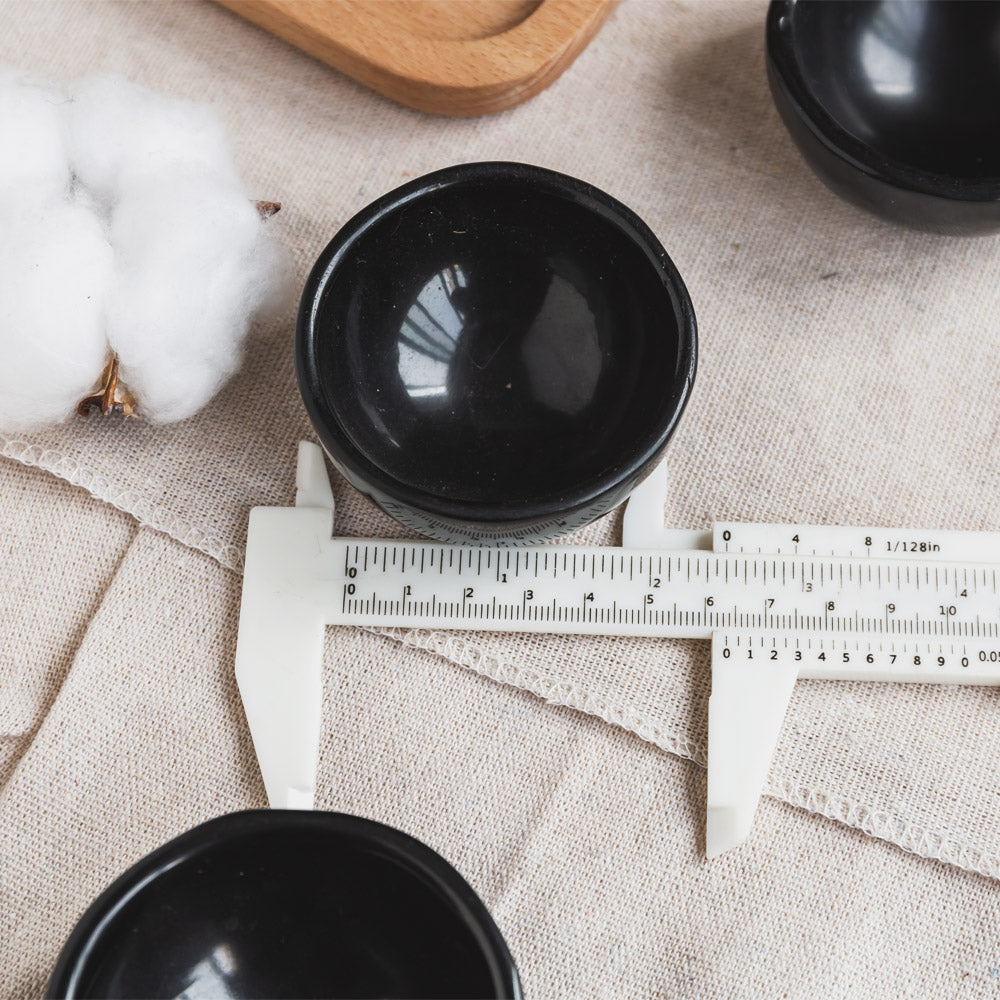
<point>496,340</point>
<point>273,904</point>
<point>915,81</point>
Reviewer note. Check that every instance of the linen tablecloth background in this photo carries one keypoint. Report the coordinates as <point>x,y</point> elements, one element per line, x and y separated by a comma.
<point>848,375</point>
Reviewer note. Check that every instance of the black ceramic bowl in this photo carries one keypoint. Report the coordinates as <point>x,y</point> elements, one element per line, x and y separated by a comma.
<point>895,104</point>
<point>495,352</point>
<point>287,904</point>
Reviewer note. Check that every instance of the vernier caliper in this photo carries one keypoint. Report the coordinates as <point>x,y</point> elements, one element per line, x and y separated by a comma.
<point>778,602</point>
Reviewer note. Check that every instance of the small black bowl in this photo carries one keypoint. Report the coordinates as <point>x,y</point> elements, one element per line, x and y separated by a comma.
<point>495,352</point>
<point>278,903</point>
<point>895,104</point>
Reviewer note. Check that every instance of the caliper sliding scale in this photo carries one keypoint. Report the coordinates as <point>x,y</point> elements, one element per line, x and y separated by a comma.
<point>779,602</point>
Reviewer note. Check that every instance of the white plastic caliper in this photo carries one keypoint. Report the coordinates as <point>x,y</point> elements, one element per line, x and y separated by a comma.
<point>779,602</point>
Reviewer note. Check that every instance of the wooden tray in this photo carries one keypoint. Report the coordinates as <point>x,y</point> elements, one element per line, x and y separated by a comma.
<point>451,57</point>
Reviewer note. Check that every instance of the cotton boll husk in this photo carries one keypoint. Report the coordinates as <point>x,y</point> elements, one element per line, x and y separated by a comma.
<point>56,268</point>
<point>195,265</point>
<point>33,160</point>
<point>120,135</point>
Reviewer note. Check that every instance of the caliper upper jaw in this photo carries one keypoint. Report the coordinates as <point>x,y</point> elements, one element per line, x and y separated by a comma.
<point>642,523</point>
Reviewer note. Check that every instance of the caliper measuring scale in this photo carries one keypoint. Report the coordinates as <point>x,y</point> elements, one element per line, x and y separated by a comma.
<point>778,602</point>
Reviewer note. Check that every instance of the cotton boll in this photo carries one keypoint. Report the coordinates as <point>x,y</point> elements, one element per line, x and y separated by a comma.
<point>33,160</point>
<point>120,134</point>
<point>125,227</point>
<point>56,268</point>
<point>194,267</point>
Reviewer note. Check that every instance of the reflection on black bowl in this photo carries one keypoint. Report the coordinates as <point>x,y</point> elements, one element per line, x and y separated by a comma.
<point>895,104</point>
<point>287,904</point>
<point>495,352</point>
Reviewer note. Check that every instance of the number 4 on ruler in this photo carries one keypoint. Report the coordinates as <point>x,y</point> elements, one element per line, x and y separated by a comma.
<point>778,603</point>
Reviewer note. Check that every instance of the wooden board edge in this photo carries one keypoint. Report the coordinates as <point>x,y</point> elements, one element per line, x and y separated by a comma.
<point>447,77</point>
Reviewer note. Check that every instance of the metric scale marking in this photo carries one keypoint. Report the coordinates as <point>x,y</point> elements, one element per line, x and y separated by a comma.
<point>779,602</point>
<point>572,589</point>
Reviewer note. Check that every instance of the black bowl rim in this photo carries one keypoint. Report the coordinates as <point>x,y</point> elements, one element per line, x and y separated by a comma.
<point>342,450</point>
<point>786,71</point>
<point>417,856</point>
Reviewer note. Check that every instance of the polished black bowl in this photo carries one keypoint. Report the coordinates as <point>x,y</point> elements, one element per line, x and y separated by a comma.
<point>495,352</point>
<point>287,904</point>
<point>895,104</point>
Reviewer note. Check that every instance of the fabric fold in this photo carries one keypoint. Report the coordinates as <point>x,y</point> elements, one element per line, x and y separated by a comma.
<point>61,551</point>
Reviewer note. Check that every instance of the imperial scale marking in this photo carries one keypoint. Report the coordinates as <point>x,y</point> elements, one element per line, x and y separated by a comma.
<point>779,602</point>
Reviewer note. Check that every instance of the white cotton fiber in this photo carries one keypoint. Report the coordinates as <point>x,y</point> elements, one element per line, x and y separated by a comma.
<point>182,302</point>
<point>56,267</point>
<point>33,160</point>
<point>125,228</point>
<point>120,134</point>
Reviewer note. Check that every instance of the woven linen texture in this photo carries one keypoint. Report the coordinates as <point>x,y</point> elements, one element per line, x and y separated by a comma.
<point>583,840</point>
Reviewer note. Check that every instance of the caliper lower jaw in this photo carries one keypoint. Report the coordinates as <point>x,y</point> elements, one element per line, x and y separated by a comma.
<point>745,713</point>
<point>287,596</point>
<point>746,707</point>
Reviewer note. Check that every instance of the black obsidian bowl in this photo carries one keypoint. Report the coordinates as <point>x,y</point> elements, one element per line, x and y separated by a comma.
<point>895,104</point>
<point>495,352</point>
<point>281,903</point>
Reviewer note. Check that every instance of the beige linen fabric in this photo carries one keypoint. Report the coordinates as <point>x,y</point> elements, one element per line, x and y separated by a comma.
<point>580,837</point>
<point>848,374</point>
<point>59,552</point>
